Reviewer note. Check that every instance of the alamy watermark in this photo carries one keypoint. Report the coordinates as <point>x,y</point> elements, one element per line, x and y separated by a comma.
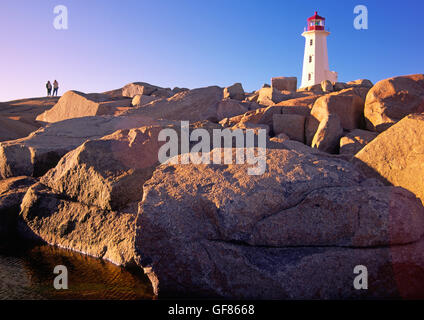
<point>176,149</point>
<point>361,280</point>
<point>61,281</point>
<point>361,20</point>
<point>60,21</point>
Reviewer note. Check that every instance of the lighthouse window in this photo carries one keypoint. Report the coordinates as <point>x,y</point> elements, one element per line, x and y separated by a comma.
<point>310,59</point>
<point>309,76</point>
<point>312,42</point>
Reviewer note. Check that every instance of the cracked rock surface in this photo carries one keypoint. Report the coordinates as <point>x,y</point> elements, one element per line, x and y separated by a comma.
<point>297,231</point>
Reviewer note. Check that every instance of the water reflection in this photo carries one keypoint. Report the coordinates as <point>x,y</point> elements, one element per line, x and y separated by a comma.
<point>26,272</point>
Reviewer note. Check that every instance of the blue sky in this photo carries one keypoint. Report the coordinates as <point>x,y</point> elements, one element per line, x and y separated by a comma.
<point>195,43</point>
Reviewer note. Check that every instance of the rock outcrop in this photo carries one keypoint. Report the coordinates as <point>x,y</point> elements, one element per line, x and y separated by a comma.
<point>397,155</point>
<point>293,125</point>
<point>284,83</point>
<point>42,149</point>
<point>296,231</point>
<point>193,105</point>
<point>346,104</point>
<point>51,217</point>
<point>299,106</point>
<point>109,172</point>
<point>392,99</point>
<point>235,92</point>
<point>328,134</point>
<point>269,96</point>
<point>142,88</point>
<point>74,104</point>
<point>90,180</point>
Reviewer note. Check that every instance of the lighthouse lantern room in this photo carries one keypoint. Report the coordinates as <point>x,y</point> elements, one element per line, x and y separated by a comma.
<point>315,62</point>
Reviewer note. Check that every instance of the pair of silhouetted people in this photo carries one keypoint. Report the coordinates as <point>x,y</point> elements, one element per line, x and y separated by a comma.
<point>49,88</point>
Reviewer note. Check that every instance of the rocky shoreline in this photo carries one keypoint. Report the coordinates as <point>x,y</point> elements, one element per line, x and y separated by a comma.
<point>343,186</point>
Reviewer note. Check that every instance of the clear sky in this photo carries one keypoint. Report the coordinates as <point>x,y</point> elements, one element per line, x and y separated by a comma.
<point>195,43</point>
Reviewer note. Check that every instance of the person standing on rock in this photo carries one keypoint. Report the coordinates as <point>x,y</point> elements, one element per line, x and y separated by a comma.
<point>55,87</point>
<point>49,88</point>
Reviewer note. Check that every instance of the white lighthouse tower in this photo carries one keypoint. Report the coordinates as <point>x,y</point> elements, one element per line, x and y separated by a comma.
<point>315,62</point>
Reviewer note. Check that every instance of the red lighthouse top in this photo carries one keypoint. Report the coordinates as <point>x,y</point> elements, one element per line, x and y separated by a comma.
<point>316,22</point>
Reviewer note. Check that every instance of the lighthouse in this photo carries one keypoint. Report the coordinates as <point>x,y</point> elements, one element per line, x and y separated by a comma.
<point>315,62</point>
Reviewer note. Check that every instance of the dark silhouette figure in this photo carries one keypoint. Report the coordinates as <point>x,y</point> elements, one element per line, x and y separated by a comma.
<point>49,88</point>
<point>55,87</point>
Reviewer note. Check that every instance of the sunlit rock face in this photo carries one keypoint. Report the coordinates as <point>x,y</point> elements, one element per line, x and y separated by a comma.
<point>392,99</point>
<point>396,156</point>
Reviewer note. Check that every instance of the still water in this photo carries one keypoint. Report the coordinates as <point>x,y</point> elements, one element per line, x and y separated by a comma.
<point>26,272</point>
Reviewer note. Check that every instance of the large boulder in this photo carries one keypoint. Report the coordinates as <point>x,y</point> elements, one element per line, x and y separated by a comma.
<point>297,231</point>
<point>74,104</point>
<point>193,105</point>
<point>392,99</point>
<point>135,88</point>
<point>328,134</point>
<point>270,96</point>
<point>109,172</point>
<point>346,104</point>
<point>355,140</point>
<point>284,83</point>
<point>49,216</point>
<point>397,155</point>
<point>42,149</point>
<point>235,92</point>
<point>292,125</point>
